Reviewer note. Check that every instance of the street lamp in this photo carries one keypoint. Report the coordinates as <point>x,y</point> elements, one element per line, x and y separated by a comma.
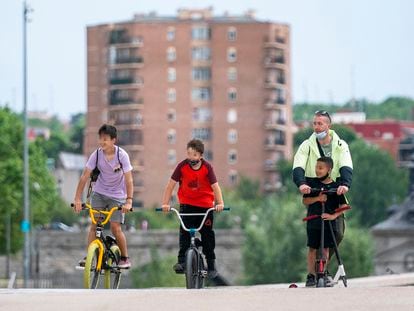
<point>25,225</point>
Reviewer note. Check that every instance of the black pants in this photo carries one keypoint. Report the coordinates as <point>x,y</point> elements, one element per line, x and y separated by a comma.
<point>208,238</point>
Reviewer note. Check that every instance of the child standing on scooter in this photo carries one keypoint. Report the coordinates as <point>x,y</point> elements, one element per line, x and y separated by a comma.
<point>313,201</point>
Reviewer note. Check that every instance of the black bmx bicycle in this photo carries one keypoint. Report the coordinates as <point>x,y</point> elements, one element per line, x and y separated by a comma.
<point>321,261</point>
<point>195,264</point>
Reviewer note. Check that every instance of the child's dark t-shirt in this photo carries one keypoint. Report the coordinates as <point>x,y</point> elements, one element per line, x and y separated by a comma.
<point>332,203</point>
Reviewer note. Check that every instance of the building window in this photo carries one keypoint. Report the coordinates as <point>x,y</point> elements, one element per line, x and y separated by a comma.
<point>232,136</point>
<point>201,133</point>
<point>172,157</point>
<point>233,177</point>
<point>170,34</point>
<point>232,34</point>
<point>171,115</point>
<point>232,94</point>
<point>171,54</point>
<point>201,94</point>
<point>232,116</point>
<point>231,55</point>
<point>171,95</point>
<point>232,74</point>
<point>172,75</point>
<point>201,73</point>
<point>232,156</point>
<point>171,136</point>
<point>202,114</point>
<point>208,155</point>
<point>201,33</point>
<point>202,53</point>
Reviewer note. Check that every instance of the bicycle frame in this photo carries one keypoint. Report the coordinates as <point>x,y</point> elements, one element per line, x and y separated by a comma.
<point>99,226</point>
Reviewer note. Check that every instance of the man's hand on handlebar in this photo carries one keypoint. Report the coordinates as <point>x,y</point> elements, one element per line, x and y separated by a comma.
<point>342,190</point>
<point>304,189</point>
<point>219,207</point>
<point>165,208</point>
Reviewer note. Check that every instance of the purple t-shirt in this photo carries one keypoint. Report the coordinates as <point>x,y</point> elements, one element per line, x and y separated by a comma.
<point>109,182</point>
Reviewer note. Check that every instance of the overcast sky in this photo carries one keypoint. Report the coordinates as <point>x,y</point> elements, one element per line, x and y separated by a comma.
<point>339,48</point>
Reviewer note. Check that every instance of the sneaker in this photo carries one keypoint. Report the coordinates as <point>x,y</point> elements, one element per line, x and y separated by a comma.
<point>328,279</point>
<point>211,269</point>
<point>212,274</point>
<point>179,268</point>
<point>124,263</point>
<point>310,280</point>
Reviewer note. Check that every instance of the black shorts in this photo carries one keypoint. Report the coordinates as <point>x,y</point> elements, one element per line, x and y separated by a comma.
<point>314,238</point>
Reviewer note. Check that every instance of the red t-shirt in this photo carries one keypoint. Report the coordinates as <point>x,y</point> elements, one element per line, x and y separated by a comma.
<point>195,185</point>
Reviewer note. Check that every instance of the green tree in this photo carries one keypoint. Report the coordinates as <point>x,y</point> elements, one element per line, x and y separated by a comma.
<point>43,194</point>
<point>157,273</point>
<point>377,183</point>
<point>76,132</point>
<point>357,253</point>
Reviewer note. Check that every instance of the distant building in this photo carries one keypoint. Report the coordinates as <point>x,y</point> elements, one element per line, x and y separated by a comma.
<point>163,80</point>
<point>341,117</point>
<point>394,237</point>
<point>35,132</point>
<point>386,134</point>
<point>69,168</point>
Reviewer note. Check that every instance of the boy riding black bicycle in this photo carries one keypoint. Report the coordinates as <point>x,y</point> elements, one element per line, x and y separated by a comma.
<point>198,191</point>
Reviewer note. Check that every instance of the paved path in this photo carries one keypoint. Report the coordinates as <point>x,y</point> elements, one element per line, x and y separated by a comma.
<point>374,293</point>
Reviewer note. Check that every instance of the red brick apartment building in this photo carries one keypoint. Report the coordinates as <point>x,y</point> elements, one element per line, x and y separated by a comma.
<point>164,80</point>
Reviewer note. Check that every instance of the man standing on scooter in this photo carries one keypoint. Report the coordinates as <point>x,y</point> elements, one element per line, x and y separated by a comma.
<point>324,142</point>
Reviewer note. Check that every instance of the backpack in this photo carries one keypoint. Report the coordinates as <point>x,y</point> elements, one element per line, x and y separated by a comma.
<point>95,172</point>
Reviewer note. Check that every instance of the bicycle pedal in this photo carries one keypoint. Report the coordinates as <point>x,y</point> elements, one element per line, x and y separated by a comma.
<point>81,268</point>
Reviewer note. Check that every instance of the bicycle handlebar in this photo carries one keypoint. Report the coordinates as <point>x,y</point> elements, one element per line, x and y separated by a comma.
<point>179,215</point>
<point>107,214</point>
<point>339,209</point>
<point>324,191</point>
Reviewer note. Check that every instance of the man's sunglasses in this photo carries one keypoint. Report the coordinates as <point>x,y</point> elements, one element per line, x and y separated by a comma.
<point>323,113</point>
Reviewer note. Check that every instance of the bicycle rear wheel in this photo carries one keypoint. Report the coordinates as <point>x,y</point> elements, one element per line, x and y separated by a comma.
<point>91,273</point>
<point>191,269</point>
<point>112,264</point>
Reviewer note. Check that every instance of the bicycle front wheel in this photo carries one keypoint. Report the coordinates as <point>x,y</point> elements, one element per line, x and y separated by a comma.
<point>91,273</point>
<point>112,264</point>
<point>191,269</point>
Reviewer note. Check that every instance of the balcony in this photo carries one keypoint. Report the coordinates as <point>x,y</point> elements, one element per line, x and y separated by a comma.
<point>121,37</point>
<point>125,80</point>
<point>275,82</point>
<point>274,103</point>
<point>275,123</point>
<point>270,165</point>
<point>129,60</point>
<point>269,60</point>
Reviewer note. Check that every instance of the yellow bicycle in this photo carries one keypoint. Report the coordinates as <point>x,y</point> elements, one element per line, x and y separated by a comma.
<point>103,252</point>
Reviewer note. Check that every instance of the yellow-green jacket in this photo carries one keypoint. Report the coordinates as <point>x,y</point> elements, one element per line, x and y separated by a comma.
<point>305,158</point>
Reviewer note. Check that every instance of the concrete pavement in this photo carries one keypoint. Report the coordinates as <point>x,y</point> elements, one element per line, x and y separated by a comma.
<point>373,293</point>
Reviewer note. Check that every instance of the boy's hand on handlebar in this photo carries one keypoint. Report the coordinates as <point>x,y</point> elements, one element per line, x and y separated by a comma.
<point>304,189</point>
<point>165,208</point>
<point>78,206</point>
<point>127,207</point>
<point>219,207</point>
<point>326,216</point>
<point>342,190</point>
